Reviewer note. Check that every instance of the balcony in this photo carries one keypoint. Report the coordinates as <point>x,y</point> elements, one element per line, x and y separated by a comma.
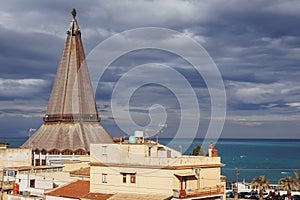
<point>217,190</point>
<point>7,185</point>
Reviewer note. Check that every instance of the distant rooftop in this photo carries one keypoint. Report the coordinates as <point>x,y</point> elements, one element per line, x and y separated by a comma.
<point>23,168</point>
<point>79,190</point>
<point>81,172</point>
<point>76,189</point>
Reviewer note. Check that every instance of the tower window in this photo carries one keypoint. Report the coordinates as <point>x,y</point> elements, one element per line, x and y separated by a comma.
<point>104,178</point>
<point>104,150</point>
<point>132,178</point>
<point>124,177</point>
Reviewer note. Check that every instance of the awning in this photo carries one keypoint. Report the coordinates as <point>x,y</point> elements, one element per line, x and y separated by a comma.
<point>185,174</point>
<point>127,172</point>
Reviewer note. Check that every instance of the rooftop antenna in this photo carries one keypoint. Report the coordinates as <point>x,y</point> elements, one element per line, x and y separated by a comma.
<point>146,133</point>
<point>160,128</point>
<point>30,131</point>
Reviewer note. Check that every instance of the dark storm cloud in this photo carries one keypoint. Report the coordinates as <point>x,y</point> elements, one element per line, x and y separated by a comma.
<point>255,45</point>
<point>28,54</point>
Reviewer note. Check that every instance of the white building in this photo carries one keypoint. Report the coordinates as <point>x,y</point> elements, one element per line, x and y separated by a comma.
<point>11,157</point>
<point>33,182</point>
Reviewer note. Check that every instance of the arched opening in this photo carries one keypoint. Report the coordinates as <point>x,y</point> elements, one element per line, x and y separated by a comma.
<point>79,152</point>
<point>54,152</point>
<point>67,152</point>
<point>43,152</point>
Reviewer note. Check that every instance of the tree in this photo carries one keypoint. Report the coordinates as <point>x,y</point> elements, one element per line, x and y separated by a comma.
<point>4,143</point>
<point>297,173</point>
<point>198,151</point>
<point>260,183</point>
<point>288,183</point>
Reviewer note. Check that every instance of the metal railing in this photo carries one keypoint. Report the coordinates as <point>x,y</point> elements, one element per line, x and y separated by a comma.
<point>71,118</point>
<point>207,191</point>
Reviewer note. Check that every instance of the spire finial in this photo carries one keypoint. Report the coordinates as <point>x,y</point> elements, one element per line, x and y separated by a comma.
<point>74,13</point>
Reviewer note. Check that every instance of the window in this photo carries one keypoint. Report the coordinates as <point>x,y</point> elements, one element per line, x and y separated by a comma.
<point>11,173</point>
<point>104,150</point>
<point>32,183</point>
<point>104,178</point>
<point>124,177</point>
<point>132,178</point>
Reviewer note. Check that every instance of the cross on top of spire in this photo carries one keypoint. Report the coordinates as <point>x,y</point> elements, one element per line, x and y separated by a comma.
<point>73,13</point>
<point>73,27</point>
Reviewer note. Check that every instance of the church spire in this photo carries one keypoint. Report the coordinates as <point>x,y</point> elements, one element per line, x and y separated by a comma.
<point>72,97</point>
<point>71,120</point>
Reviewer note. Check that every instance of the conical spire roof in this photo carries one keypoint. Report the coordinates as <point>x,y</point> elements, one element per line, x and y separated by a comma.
<point>71,121</point>
<point>72,97</point>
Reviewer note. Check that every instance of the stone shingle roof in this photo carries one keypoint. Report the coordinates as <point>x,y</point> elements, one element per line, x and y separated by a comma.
<point>67,136</point>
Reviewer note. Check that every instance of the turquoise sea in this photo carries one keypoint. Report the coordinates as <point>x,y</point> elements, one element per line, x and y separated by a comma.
<point>274,158</point>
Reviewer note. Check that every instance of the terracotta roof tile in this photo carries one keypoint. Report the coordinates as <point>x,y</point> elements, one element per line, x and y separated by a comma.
<point>74,190</point>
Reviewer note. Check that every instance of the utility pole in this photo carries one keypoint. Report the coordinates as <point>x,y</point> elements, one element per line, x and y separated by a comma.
<point>2,183</point>
<point>235,189</point>
<point>29,136</point>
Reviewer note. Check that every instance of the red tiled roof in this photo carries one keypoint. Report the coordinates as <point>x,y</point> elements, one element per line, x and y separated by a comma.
<point>74,190</point>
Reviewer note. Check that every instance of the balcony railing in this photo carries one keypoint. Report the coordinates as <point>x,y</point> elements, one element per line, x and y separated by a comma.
<point>71,118</point>
<point>202,192</point>
<point>7,185</point>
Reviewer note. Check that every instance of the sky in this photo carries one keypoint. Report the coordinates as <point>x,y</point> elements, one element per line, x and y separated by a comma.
<point>254,45</point>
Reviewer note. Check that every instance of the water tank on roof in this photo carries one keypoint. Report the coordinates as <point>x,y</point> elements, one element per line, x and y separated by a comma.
<point>139,133</point>
<point>16,188</point>
<point>132,139</point>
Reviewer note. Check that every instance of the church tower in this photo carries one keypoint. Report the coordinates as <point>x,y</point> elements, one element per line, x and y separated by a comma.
<point>71,121</point>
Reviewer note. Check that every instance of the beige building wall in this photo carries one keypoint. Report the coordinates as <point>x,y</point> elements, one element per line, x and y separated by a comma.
<point>155,181</point>
<point>151,181</point>
<point>13,157</point>
<point>157,170</point>
<point>209,177</point>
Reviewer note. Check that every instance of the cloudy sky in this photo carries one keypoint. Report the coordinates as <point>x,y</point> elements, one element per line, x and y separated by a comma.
<point>254,44</point>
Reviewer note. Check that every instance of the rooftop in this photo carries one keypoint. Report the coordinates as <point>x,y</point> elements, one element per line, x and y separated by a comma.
<point>143,155</point>
<point>22,168</point>
<point>81,172</point>
<point>76,189</point>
